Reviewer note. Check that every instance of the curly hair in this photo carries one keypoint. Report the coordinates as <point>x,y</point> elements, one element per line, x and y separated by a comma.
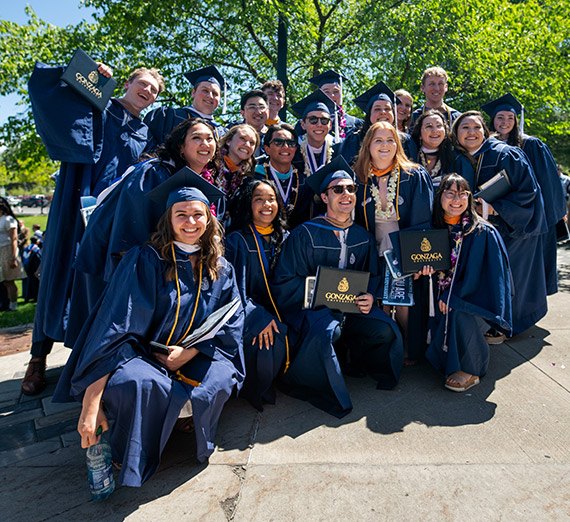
<point>446,147</point>
<point>363,160</point>
<point>462,184</point>
<point>243,216</point>
<point>210,244</point>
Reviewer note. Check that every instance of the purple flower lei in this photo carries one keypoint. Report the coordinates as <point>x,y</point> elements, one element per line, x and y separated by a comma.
<point>444,279</point>
<point>341,122</point>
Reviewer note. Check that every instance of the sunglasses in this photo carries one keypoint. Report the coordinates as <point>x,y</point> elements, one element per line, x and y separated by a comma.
<point>282,142</point>
<point>313,120</point>
<point>339,189</point>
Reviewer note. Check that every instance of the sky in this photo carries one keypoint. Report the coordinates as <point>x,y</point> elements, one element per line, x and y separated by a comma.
<point>56,12</point>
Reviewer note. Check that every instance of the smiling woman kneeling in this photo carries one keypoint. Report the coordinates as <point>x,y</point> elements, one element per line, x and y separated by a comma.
<point>160,292</point>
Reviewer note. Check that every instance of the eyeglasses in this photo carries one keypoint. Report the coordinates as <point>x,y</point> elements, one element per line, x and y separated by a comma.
<point>313,120</point>
<point>282,142</point>
<point>339,189</point>
<point>452,194</point>
<point>256,107</point>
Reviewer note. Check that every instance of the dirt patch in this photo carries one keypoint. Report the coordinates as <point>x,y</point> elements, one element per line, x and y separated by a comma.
<point>16,339</point>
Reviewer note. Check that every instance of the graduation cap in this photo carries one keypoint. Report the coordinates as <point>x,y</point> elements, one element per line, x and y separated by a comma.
<point>336,169</point>
<point>316,101</point>
<point>329,76</point>
<point>208,74</point>
<point>505,103</point>
<point>380,91</point>
<point>185,185</point>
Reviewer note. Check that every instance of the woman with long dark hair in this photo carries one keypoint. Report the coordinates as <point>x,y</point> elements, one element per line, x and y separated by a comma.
<point>253,249</point>
<point>474,295</point>
<point>436,154</point>
<point>161,293</point>
<point>125,217</point>
<point>504,112</point>
<point>518,215</point>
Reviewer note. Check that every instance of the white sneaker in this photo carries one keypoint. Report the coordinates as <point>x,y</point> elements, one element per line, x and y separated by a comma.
<point>13,306</point>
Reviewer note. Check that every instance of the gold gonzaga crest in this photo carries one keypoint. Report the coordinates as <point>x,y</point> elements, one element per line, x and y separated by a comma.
<point>343,285</point>
<point>425,245</point>
<point>93,77</point>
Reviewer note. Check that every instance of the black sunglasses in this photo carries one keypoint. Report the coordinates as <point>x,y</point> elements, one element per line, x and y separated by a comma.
<point>281,142</point>
<point>339,189</point>
<point>313,120</point>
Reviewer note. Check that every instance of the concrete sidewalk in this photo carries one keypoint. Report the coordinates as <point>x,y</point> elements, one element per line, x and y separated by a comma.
<point>501,451</point>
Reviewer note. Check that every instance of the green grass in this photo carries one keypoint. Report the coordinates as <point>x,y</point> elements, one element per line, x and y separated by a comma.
<point>23,315</point>
<point>30,220</point>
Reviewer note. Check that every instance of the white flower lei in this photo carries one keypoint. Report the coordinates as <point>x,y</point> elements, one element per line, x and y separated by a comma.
<point>390,196</point>
<point>328,152</point>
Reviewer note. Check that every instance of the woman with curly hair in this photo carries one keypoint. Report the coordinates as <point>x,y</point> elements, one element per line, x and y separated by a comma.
<point>160,293</point>
<point>253,249</point>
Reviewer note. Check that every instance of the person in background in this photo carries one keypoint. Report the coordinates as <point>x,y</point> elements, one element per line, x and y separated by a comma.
<point>255,112</point>
<point>94,149</point>
<point>275,93</point>
<point>37,231</point>
<point>434,86</point>
<point>379,104</point>
<point>11,268</point>
<point>31,259</point>
<point>404,109</point>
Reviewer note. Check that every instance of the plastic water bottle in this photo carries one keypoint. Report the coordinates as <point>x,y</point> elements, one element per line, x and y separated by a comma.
<point>100,470</point>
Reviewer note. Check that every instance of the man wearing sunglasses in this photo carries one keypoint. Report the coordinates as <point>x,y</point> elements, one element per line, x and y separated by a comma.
<point>315,146</point>
<point>280,144</point>
<point>322,339</point>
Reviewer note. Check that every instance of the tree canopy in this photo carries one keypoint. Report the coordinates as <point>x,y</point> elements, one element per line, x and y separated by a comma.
<point>488,48</point>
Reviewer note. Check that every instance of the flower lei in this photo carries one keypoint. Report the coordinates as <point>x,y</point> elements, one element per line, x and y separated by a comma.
<point>444,279</point>
<point>227,183</point>
<point>341,122</point>
<point>328,152</point>
<point>436,168</point>
<point>208,175</point>
<point>390,196</point>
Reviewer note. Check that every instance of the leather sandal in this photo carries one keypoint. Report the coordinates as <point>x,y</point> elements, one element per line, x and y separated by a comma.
<point>473,380</point>
<point>35,379</point>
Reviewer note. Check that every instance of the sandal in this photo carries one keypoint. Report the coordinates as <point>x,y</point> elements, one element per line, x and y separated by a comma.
<point>458,386</point>
<point>495,338</point>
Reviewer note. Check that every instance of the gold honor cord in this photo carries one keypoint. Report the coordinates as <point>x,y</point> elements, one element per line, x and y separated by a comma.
<point>287,362</point>
<point>397,201</point>
<point>178,375</point>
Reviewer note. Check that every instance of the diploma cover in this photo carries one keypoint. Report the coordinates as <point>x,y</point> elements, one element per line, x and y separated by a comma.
<point>424,247</point>
<point>337,289</point>
<point>82,76</point>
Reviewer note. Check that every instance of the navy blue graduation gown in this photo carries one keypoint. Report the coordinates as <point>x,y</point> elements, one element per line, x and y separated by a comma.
<point>262,366</point>
<point>350,146</point>
<point>546,172</point>
<point>162,120</point>
<point>138,306</point>
<point>94,148</point>
<point>479,298</point>
<point>124,219</point>
<point>299,203</point>
<point>315,373</point>
<point>449,113</point>
<point>521,221</point>
<point>414,202</point>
